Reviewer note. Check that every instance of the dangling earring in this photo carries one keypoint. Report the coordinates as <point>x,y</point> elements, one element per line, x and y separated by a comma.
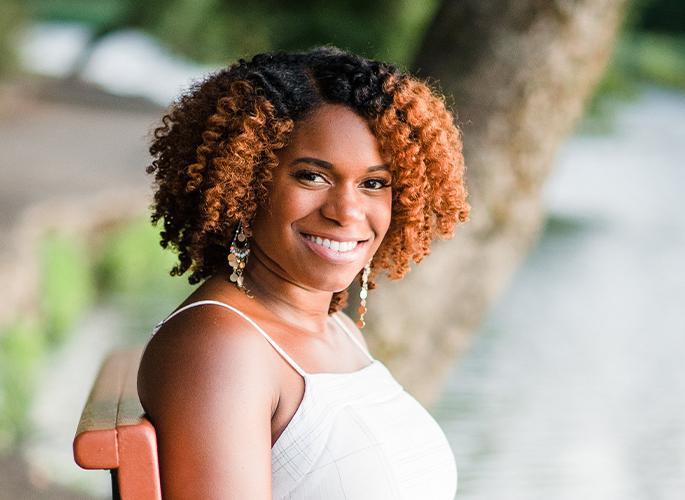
<point>237,256</point>
<point>363,293</point>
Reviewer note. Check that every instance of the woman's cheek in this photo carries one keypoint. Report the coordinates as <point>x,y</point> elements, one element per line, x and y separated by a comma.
<point>383,219</point>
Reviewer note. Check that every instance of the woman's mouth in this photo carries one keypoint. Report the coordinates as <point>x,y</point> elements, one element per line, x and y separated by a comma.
<point>334,250</point>
<point>338,246</point>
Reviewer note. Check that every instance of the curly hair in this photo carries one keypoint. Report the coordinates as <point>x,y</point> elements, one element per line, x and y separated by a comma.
<point>214,153</point>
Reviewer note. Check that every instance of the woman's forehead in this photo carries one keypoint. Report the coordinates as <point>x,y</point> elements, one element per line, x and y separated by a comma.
<point>339,133</point>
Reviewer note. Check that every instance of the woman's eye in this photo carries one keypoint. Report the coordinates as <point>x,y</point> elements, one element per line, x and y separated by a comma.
<point>309,176</point>
<point>376,183</point>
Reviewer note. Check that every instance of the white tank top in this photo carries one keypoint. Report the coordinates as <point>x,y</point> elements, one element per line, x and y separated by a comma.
<point>356,436</point>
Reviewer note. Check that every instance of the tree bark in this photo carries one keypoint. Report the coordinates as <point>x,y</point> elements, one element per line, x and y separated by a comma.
<point>519,73</point>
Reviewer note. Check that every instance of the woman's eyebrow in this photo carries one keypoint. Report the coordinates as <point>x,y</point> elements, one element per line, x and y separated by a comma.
<point>313,161</point>
<point>328,166</point>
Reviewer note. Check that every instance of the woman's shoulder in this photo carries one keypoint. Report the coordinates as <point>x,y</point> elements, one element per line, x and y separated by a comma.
<point>204,349</point>
<point>206,323</point>
<point>207,384</point>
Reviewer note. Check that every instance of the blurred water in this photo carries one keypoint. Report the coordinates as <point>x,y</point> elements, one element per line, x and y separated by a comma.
<point>575,386</point>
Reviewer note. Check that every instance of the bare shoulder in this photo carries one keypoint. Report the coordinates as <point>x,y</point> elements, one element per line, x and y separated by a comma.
<point>352,327</point>
<point>201,345</point>
<point>208,385</point>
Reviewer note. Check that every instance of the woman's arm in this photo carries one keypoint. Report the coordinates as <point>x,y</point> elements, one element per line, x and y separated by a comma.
<point>210,393</point>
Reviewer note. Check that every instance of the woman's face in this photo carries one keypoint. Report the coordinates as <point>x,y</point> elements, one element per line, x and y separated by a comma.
<point>329,203</point>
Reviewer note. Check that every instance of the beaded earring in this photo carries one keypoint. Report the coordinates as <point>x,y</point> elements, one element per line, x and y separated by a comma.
<point>363,293</point>
<point>237,256</point>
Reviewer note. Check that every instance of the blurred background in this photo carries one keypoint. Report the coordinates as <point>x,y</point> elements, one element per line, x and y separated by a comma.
<point>572,385</point>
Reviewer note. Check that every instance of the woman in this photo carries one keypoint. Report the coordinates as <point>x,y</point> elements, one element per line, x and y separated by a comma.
<point>280,181</point>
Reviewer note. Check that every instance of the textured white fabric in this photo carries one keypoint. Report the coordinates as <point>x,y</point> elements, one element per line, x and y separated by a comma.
<point>357,436</point>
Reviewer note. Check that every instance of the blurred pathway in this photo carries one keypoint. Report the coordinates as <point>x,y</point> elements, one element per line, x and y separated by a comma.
<point>69,156</point>
<point>16,483</point>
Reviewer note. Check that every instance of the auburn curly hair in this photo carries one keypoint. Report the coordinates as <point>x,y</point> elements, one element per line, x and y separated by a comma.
<point>214,153</point>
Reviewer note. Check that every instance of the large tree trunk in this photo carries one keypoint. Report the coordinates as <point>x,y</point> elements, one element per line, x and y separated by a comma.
<point>519,73</point>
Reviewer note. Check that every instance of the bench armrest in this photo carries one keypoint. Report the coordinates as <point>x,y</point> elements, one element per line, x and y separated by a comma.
<point>114,433</point>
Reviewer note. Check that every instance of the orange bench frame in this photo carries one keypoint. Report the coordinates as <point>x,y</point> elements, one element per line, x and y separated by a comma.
<point>114,433</point>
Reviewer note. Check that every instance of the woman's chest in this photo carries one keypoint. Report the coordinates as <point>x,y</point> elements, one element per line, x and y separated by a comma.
<point>364,437</point>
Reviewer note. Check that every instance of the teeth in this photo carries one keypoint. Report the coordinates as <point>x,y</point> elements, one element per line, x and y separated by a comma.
<point>336,246</point>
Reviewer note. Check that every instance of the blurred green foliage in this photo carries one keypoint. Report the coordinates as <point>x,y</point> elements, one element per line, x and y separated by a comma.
<point>654,57</point>
<point>23,348</point>
<point>658,16</point>
<point>220,31</point>
<point>652,45</point>
<point>644,54</point>
<point>388,29</point>
<point>66,291</point>
<point>639,58</point>
<point>132,271</point>
<point>67,287</point>
<point>95,13</point>
<point>127,267</point>
<point>12,17</point>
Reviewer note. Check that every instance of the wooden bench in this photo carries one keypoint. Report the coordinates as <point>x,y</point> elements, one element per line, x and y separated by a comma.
<point>114,434</point>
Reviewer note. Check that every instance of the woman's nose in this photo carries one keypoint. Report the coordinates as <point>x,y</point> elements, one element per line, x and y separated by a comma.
<point>344,205</point>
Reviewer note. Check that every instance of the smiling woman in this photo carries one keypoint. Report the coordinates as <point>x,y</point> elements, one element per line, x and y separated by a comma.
<point>281,180</point>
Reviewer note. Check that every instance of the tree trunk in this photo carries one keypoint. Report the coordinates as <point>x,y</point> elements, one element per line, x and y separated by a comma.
<point>519,73</point>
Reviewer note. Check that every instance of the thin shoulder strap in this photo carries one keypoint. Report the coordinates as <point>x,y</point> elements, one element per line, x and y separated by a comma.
<point>246,318</point>
<point>342,325</point>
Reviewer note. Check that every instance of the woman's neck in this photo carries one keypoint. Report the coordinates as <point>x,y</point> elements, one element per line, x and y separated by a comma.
<point>301,306</point>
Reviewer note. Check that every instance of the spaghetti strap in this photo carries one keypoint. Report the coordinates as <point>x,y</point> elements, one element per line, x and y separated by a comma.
<point>344,328</point>
<point>285,356</point>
